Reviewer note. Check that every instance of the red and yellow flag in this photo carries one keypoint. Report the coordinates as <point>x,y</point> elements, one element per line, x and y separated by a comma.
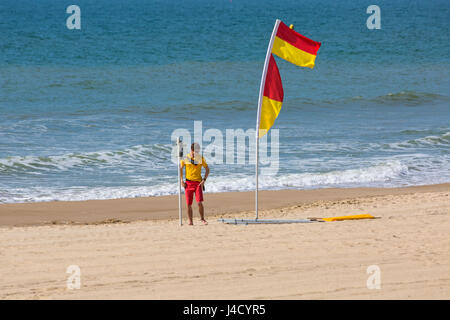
<point>272,98</point>
<point>295,48</point>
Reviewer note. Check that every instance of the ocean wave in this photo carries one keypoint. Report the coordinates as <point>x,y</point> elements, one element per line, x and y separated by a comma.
<point>381,173</point>
<point>155,156</point>
<point>151,154</point>
<point>403,98</point>
<point>442,140</point>
<point>411,98</point>
<point>437,140</point>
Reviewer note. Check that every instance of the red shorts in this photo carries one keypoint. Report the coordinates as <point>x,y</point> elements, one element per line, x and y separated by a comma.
<point>191,188</point>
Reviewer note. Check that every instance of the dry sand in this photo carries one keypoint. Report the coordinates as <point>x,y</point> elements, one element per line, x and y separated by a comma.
<point>158,259</point>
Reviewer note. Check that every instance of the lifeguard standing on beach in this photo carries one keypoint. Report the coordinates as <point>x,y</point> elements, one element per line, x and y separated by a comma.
<point>194,184</point>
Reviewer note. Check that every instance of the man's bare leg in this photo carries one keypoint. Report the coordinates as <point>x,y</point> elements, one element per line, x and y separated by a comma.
<point>201,210</point>
<point>190,215</point>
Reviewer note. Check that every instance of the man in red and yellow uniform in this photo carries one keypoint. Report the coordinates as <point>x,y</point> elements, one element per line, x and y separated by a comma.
<point>194,184</point>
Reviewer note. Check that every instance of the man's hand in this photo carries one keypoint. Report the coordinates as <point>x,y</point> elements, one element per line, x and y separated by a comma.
<point>202,182</point>
<point>183,184</point>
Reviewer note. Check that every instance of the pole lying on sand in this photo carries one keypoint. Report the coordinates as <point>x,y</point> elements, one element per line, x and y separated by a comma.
<point>179,155</point>
<point>258,116</point>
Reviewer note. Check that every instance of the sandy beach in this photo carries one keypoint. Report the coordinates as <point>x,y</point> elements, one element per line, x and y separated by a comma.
<point>144,254</point>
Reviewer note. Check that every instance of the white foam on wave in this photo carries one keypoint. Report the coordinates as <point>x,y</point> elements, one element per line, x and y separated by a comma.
<point>442,140</point>
<point>383,172</point>
<point>84,193</point>
<point>380,173</point>
<point>130,156</point>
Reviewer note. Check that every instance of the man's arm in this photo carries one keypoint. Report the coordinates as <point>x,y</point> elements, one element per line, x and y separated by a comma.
<point>206,175</point>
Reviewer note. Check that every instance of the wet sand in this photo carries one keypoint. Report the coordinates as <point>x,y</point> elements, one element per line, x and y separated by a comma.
<point>166,207</point>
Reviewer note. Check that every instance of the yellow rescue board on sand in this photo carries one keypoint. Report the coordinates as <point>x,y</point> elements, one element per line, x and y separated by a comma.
<point>354,217</point>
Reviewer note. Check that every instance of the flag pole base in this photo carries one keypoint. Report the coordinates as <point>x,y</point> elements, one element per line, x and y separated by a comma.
<point>264,221</point>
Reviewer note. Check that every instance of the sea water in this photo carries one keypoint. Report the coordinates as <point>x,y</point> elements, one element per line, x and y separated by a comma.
<point>89,113</point>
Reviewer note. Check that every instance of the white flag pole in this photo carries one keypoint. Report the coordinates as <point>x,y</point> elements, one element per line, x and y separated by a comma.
<point>258,117</point>
<point>179,154</point>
